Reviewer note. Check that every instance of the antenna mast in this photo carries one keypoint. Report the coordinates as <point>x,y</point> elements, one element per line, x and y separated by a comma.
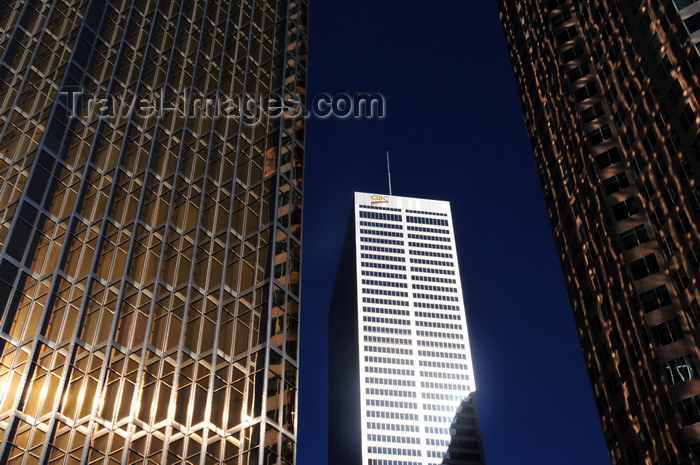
<point>388,170</point>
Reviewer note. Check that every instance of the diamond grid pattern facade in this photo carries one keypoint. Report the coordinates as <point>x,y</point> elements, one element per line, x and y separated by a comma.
<point>611,93</point>
<point>149,265</point>
<point>401,379</point>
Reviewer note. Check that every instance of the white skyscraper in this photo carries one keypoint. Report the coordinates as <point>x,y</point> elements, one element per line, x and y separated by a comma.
<point>401,378</point>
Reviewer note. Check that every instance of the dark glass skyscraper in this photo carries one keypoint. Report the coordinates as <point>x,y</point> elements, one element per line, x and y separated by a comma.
<point>611,93</point>
<point>150,230</point>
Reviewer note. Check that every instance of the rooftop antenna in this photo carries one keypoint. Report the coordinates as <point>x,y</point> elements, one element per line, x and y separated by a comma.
<point>388,170</point>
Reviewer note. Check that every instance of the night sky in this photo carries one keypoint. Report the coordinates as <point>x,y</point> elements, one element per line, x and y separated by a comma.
<point>455,132</point>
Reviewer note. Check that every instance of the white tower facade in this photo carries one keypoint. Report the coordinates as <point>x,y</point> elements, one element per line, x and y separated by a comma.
<point>398,326</point>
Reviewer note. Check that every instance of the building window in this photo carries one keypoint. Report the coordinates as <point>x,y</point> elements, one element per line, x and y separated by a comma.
<point>680,278</point>
<point>680,4</point>
<point>599,135</point>
<point>680,369</point>
<point>634,237</point>
<point>586,91</point>
<point>644,267</point>
<point>625,209</point>
<point>666,333</point>
<point>592,112</point>
<point>579,72</point>
<point>567,34</point>
<point>654,298</point>
<point>616,183</point>
<point>572,53</point>
<point>560,18</point>
<point>607,158</point>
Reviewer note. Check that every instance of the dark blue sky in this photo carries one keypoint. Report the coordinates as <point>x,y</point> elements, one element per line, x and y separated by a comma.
<point>455,132</point>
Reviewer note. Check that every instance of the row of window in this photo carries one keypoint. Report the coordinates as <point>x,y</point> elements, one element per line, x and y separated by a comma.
<point>373,248</point>
<point>383,274</point>
<point>446,386</point>
<point>389,393</point>
<point>439,396</point>
<point>375,207</point>
<point>388,360</point>
<point>384,292</point>
<point>389,371</point>
<point>380,216</point>
<point>386,311</point>
<point>426,213</point>
<point>434,324</point>
<point>381,225</point>
<point>391,462</point>
<point>428,230</point>
<point>435,306</point>
<point>437,334</point>
<point>393,427</point>
<point>397,439</point>
<point>434,288</point>
<point>440,407</point>
<point>390,381</point>
<point>422,261</point>
<point>393,451</point>
<point>448,298</point>
<point>391,404</point>
<point>371,282</point>
<point>392,415</point>
<point>377,232</point>
<point>439,419</point>
<point>387,340</point>
<point>443,316</point>
<point>372,300</point>
<point>384,266</point>
<point>443,375</point>
<point>430,246</point>
<point>432,270</point>
<point>436,430</point>
<point>443,345</point>
<point>390,321</point>
<point>425,253</point>
<point>377,240</point>
<point>389,258</point>
<point>389,350</point>
<point>423,237</point>
<point>386,330</point>
<point>430,221</point>
<point>434,279</point>
<point>432,354</point>
<point>449,365</point>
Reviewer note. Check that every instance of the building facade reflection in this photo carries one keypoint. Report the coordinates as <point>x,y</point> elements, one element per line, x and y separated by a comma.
<point>149,262</point>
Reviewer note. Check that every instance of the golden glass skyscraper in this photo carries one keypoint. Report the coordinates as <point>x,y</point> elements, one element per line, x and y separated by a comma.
<point>150,210</point>
<point>611,94</point>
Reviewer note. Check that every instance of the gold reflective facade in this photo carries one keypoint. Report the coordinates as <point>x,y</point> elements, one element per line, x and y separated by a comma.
<point>611,93</point>
<point>149,264</point>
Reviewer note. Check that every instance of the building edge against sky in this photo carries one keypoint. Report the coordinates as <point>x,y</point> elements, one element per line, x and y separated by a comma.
<point>401,381</point>
<point>611,95</point>
<point>149,266</point>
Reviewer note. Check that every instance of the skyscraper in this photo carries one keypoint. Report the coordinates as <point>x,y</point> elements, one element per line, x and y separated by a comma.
<point>150,210</point>
<point>401,379</point>
<point>610,92</point>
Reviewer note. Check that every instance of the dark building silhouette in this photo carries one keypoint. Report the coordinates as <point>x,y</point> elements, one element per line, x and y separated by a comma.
<point>610,92</point>
<point>149,231</point>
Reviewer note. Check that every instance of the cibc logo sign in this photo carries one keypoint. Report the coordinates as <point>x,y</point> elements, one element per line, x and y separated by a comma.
<point>379,199</point>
